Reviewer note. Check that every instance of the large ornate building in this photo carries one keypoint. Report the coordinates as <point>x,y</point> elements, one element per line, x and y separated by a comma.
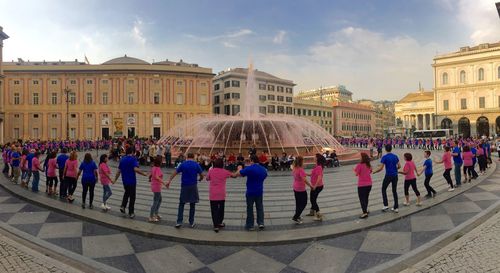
<point>416,111</point>
<point>467,90</point>
<point>327,94</point>
<point>274,95</point>
<point>384,115</point>
<point>353,119</point>
<point>123,96</point>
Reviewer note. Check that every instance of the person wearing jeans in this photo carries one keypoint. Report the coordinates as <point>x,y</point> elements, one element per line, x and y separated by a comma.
<point>89,178</point>
<point>36,171</point>
<point>391,163</point>
<point>299,188</point>
<point>427,169</point>
<point>446,161</point>
<point>61,163</point>
<point>317,183</point>
<point>190,170</point>
<point>458,162</point>
<point>127,168</point>
<point>255,175</point>
<point>217,177</point>
<point>105,177</point>
<point>156,185</point>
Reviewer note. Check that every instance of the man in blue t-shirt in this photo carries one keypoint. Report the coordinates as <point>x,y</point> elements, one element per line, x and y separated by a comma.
<point>29,158</point>
<point>457,160</point>
<point>472,171</point>
<point>127,168</point>
<point>427,170</point>
<point>391,163</point>
<point>255,174</point>
<point>190,171</point>
<point>61,163</point>
<point>16,163</point>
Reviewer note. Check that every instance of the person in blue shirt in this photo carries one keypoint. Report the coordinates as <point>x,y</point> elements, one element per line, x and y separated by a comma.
<point>427,170</point>
<point>457,161</point>
<point>89,178</point>
<point>29,158</point>
<point>191,173</point>
<point>127,168</point>
<point>16,163</point>
<point>391,163</point>
<point>255,174</point>
<point>472,171</point>
<point>61,162</point>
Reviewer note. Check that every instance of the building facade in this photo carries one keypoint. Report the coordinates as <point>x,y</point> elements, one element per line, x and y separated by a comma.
<point>124,96</point>
<point>353,119</point>
<point>416,111</point>
<point>274,95</point>
<point>467,90</point>
<point>315,111</point>
<point>327,94</point>
<point>3,36</point>
<point>384,115</point>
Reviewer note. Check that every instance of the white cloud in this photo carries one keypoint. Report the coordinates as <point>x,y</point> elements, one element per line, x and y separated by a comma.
<point>228,39</point>
<point>366,62</point>
<point>137,32</point>
<point>228,45</point>
<point>279,38</point>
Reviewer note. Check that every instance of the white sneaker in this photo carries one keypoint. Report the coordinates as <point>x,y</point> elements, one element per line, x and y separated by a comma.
<point>103,207</point>
<point>451,189</point>
<point>385,208</point>
<point>394,210</point>
<point>406,204</point>
<point>108,207</point>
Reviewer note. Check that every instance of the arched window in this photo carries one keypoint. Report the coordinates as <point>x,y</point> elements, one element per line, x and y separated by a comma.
<point>462,76</point>
<point>445,78</point>
<point>480,74</point>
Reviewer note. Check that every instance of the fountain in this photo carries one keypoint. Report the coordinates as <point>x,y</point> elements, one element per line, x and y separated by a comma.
<point>273,134</point>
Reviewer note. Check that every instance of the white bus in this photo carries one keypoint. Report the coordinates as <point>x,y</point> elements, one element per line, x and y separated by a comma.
<point>436,133</point>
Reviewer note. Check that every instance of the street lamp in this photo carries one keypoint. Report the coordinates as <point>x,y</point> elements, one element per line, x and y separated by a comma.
<point>67,91</point>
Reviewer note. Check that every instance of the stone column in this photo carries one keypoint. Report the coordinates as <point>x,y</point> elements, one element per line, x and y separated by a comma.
<point>424,121</point>
<point>431,116</point>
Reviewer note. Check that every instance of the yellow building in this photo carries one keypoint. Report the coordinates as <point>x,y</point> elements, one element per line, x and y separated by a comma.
<point>384,115</point>
<point>330,94</point>
<point>123,96</point>
<point>467,90</point>
<point>415,111</point>
<point>315,111</point>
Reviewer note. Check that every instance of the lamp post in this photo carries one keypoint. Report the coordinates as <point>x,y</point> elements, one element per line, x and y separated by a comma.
<point>67,91</point>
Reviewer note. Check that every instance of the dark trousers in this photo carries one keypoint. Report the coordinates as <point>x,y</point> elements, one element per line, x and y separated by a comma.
<point>314,198</point>
<point>88,187</point>
<point>482,163</point>
<point>364,195</point>
<point>52,181</point>
<point>413,184</point>
<point>427,181</point>
<point>180,213</point>
<point>447,177</point>
<point>217,208</point>
<point>472,171</point>
<point>393,181</point>
<point>259,206</point>
<point>63,186</point>
<point>300,203</point>
<point>129,195</point>
<point>71,184</point>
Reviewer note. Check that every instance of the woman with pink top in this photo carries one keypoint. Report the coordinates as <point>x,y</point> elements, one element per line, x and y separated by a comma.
<point>35,170</point>
<point>156,185</point>
<point>363,171</point>
<point>317,183</point>
<point>446,160</point>
<point>467,157</point>
<point>299,188</point>
<point>105,177</point>
<point>217,177</point>
<point>51,173</point>
<point>70,175</point>
<point>409,170</point>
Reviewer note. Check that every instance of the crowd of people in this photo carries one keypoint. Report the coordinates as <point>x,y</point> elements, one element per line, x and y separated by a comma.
<point>23,163</point>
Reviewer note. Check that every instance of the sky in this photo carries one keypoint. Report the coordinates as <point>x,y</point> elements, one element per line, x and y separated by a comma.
<point>378,49</point>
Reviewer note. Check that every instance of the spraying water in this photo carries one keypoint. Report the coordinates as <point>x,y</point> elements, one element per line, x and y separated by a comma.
<point>250,108</point>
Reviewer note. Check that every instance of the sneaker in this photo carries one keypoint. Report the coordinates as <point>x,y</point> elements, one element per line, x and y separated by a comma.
<point>193,225</point>
<point>394,210</point>
<point>122,210</point>
<point>83,206</point>
<point>223,225</point>
<point>406,204</point>
<point>103,207</point>
<point>250,229</point>
<point>434,194</point>
<point>152,220</point>
<point>451,189</point>
<point>385,208</point>
<point>318,217</point>
<point>297,221</point>
<point>419,204</point>
<point>108,207</point>
<point>261,227</point>
<point>131,216</point>
<point>311,213</point>
<point>216,229</point>
<point>363,216</point>
<point>178,225</point>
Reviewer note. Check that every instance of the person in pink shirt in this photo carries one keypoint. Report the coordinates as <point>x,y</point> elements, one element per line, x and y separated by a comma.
<point>363,171</point>
<point>70,175</point>
<point>299,188</point>
<point>217,177</point>
<point>35,169</point>
<point>51,173</point>
<point>446,160</point>
<point>409,170</point>
<point>317,183</point>
<point>105,177</point>
<point>467,157</point>
<point>156,185</point>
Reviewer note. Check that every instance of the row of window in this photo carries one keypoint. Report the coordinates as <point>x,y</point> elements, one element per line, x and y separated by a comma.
<point>89,98</point>
<point>312,113</point>
<point>355,115</point>
<point>356,127</point>
<point>73,82</point>
<point>262,86</point>
<point>463,103</point>
<point>271,109</point>
<point>228,96</point>
<point>463,76</point>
